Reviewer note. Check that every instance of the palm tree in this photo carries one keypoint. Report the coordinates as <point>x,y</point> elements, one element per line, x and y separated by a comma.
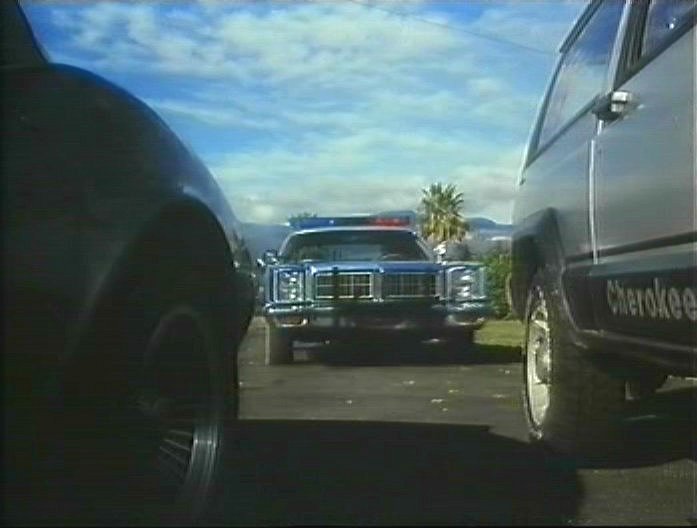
<point>440,213</point>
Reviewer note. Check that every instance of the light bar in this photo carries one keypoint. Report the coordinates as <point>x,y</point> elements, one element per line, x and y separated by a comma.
<point>309,223</point>
<point>391,221</point>
<point>344,221</point>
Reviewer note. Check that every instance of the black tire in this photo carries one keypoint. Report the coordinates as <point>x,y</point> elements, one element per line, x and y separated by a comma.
<point>467,339</point>
<point>584,401</point>
<point>153,398</point>
<point>278,346</point>
<point>461,341</point>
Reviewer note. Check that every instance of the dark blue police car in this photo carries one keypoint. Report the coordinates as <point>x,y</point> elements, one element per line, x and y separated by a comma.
<point>366,276</point>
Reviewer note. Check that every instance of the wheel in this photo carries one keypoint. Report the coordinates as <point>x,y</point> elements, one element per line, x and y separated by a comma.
<point>571,403</point>
<point>461,341</point>
<point>467,338</point>
<point>151,401</point>
<point>279,346</point>
<point>644,385</point>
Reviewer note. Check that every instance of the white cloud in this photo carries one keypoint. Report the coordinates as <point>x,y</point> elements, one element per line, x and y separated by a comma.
<point>521,22</point>
<point>351,107</point>
<point>214,116</point>
<point>324,44</point>
<point>369,171</point>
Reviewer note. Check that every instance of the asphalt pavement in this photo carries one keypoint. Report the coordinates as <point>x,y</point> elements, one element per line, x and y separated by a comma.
<point>429,435</point>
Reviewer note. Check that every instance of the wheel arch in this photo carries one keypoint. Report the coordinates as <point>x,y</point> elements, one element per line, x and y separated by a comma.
<point>181,229</point>
<point>536,244</point>
<point>525,262</point>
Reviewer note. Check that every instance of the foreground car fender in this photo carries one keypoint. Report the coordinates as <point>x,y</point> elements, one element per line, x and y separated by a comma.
<point>127,288</point>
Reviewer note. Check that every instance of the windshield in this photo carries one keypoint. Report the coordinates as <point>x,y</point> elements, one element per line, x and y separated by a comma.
<point>337,246</point>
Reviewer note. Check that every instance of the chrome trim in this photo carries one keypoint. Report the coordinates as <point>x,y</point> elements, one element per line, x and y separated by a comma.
<point>401,277</point>
<point>275,282</point>
<point>592,220</point>
<point>351,286</point>
<point>378,277</point>
<point>479,284</point>
<point>303,322</point>
<point>440,285</point>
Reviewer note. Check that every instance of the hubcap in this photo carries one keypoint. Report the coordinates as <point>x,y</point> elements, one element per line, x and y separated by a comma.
<point>177,404</point>
<point>538,360</point>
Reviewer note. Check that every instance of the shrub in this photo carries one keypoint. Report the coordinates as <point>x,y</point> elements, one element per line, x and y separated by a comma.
<point>498,269</point>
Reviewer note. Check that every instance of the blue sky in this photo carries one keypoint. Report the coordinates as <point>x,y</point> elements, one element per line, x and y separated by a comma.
<point>333,107</point>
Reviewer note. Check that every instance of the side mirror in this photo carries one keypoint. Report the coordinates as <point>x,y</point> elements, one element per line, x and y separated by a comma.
<point>268,258</point>
<point>439,251</point>
<point>612,105</point>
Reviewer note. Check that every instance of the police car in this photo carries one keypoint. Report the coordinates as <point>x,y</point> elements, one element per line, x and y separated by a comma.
<point>372,275</point>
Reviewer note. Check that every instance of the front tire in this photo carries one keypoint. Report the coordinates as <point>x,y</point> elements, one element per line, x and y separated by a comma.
<point>571,403</point>
<point>466,339</point>
<point>279,346</point>
<point>151,401</point>
<point>461,343</point>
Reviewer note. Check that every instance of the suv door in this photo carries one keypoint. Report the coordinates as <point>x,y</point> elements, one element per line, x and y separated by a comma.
<point>644,190</point>
<point>556,173</point>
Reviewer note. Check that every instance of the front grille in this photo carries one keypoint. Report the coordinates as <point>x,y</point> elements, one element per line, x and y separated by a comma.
<point>409,285</point>
<point>347,285</point>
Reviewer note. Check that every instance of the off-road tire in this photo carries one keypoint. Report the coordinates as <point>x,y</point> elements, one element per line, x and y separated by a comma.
<point>584,400</point>
<point>278,346</point>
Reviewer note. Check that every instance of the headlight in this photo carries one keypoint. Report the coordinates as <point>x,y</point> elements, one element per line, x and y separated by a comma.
<point>290,286</point>
<point>467,283</point>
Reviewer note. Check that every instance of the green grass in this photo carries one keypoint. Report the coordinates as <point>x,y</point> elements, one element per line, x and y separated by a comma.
<point>502,333</point>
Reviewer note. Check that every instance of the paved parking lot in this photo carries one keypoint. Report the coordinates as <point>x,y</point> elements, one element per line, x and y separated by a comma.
<point>429,436</point>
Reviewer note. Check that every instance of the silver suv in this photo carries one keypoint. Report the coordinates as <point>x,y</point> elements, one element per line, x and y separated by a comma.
<point>604,271</point>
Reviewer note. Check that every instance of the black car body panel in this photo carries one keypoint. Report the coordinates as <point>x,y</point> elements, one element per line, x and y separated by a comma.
<point>107,171</point>
<point>89,174</point>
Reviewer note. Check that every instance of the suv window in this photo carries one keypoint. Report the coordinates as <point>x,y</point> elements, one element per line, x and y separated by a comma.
<point>663,18</point>
<point>583,68</point>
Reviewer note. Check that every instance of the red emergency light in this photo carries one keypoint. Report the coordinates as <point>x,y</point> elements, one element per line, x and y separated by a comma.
<point>346,221</point>
<point>394,221</point>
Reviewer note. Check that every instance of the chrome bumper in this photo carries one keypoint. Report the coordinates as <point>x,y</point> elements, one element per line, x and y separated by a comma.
<point>443,317</point>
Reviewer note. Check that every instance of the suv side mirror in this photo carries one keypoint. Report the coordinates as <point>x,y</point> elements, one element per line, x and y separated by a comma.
<point>268,258</point>
<point>612,105</point>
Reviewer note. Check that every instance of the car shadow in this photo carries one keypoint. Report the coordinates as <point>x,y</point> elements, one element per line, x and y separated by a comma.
<point>660,429</point>
<point>367,473</point>
<point>393,354</point>
<point>655,431</point>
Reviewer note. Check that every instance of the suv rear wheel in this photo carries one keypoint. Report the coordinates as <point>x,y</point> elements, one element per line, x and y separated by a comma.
<point>571,403</point>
